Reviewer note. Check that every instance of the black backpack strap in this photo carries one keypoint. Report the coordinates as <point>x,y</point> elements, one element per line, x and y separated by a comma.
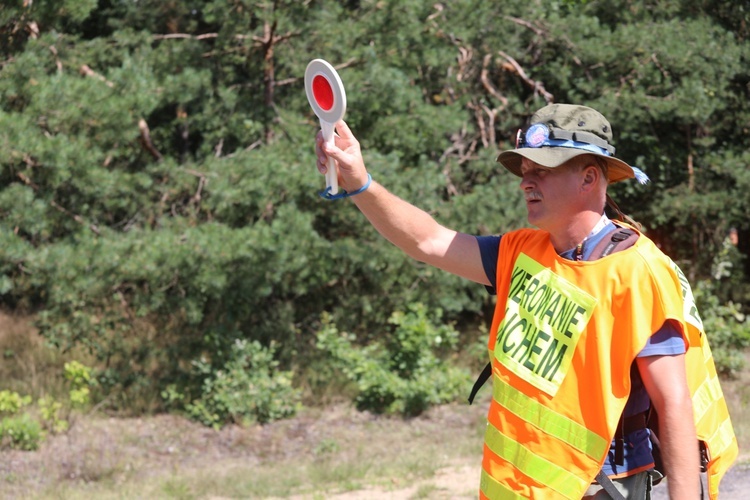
<point>620,240</point>
<point>481,379</point>
<point>620,442</point>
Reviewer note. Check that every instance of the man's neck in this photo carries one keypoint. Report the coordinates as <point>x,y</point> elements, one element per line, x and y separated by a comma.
<point>577,230</point>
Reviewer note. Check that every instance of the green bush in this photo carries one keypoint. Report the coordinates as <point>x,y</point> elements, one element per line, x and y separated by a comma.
<point>12,402</point>
<point>51,413</point>
<point>21,433</point>
<point>727,328</point>
<point>133,242</point>
<point>17,430</point>
<point>728,278</point>
<point>79,377</point>
<point>247,388</point>
<point>24,431</point>
<point>406,374</point>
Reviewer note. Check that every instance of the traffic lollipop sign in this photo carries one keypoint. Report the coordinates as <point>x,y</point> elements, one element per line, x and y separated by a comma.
<point>326,95</point>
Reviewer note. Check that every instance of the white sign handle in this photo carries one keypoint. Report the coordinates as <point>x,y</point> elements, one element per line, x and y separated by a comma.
<point>327,98</point>
<point>332,178</point>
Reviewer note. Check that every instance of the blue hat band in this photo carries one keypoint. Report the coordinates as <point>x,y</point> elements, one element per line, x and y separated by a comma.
<point>560,143</point>
<point>539,135</point>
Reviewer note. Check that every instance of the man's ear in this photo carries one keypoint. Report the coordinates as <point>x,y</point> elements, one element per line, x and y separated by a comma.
<point>591,175</point>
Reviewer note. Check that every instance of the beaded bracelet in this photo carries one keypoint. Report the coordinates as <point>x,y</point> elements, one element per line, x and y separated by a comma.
<point>343,194</point>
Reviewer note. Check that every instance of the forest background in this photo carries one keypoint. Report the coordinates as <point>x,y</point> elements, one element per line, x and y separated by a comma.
<point>159,217</point>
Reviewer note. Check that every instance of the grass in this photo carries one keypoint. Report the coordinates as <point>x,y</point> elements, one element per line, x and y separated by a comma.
<point>320,453</point>
<point>27,366</point>
<point>426,491</point>
<point>737,395</point>
<point>317,453</point>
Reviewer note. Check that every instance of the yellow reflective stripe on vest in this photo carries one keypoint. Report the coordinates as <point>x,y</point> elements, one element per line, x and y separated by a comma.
<point>532,465</point>
<point>708,393</point>
<point>549,421</point>
<point>722,438</point>
<point>707,356</point>
<point>493,489</point>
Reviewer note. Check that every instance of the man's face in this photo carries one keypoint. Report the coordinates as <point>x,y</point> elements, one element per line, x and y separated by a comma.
<point>552,194</point>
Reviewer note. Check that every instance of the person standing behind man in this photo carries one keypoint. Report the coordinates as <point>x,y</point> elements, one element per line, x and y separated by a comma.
<point>581,343</point>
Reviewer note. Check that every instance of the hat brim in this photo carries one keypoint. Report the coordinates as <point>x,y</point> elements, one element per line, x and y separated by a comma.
<point>553,157</point>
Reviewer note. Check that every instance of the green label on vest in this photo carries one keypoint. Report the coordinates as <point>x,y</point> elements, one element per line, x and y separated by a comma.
<point>544,318</point>
<point>688,301</point>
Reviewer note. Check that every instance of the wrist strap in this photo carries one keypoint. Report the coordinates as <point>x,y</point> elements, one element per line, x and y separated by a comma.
<point>343,194</point>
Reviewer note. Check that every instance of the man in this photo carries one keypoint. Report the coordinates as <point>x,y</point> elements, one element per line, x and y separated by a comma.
<point>580,342</point>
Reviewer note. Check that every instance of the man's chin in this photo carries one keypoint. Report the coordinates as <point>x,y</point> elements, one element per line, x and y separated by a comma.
<point>534,220</point>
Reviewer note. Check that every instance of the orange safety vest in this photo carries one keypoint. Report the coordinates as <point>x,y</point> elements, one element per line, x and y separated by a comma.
<point>563,338</point>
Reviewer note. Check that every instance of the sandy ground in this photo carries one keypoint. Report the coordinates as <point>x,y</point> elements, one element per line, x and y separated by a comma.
<point>100,448</point>
<point>456,482</point>
<point>452,483</point>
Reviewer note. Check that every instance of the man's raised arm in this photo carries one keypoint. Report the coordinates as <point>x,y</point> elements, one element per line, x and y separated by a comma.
<point>408,227</point>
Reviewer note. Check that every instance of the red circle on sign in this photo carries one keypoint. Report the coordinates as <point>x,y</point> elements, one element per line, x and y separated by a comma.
<point>322,92</point>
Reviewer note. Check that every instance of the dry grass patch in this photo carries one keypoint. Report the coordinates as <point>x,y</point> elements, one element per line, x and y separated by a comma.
<point>332,453</point>
<point>319,452</point>
<point>737,394</point>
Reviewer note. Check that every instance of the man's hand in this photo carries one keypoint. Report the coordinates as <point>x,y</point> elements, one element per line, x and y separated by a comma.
<point>352,173</point>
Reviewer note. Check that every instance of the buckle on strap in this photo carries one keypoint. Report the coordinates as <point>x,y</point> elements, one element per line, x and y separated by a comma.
<point>625,426</point>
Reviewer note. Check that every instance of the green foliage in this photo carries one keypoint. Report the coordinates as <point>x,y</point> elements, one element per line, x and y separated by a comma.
<point>25,430</point>
<point>18,430</point>
<point>78,374</point>
<point>12,402</point>
<point>247,388</point>
<point>729,280</point>
<point>20,433</point>
<point>157,180</point>
<point>727,328</point>
<point>52,413</point>
<point>407,373</point>
<point>80,379</point>
<point>56,415</point>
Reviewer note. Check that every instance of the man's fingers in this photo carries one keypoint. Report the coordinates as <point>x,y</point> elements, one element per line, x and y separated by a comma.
<point>343,130</point>
<point>337,154</point>
<point>339,150</point>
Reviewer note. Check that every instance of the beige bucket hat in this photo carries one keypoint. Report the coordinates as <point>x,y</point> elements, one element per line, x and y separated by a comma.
<point>560,132</point>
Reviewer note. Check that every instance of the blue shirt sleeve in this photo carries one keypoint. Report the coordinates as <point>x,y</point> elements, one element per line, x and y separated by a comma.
<point>489,249</point>
<point>666,341</point>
